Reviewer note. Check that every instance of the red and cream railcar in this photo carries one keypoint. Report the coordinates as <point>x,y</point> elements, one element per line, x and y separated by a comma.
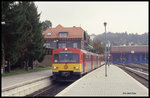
<point>68,64</point>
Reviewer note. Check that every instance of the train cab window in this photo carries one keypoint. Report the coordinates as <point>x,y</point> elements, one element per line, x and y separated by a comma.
<point>62,58</point>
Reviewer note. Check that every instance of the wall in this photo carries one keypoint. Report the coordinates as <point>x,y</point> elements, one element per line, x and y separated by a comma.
<point>130,57</point>
<point>26,88</point>
<point>46,61</point>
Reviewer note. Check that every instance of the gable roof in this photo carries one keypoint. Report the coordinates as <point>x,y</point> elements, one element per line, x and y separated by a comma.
<point>73,32</point>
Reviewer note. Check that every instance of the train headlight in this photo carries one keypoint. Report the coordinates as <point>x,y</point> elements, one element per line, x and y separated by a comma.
<point>66,49</point>
<point>76,67</point>
<point>55,67</point>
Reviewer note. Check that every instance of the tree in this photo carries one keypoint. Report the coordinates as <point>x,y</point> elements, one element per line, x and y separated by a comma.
<point>23,40</point>
<point>46,24</point>
<point>14,19</point>
<point>35,40</point>
<point>98,47</point>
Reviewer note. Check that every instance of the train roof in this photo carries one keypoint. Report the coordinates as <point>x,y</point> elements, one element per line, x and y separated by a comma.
<point>84,51</point>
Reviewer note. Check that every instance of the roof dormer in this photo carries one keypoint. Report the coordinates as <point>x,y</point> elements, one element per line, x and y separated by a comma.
<point>49,34</point>
<point>63,34</point>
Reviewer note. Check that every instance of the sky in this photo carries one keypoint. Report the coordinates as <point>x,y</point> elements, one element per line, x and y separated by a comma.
<point>130,17</point>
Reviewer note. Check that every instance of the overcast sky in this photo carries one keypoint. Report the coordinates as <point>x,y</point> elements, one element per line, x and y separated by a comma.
<point>130,17</point>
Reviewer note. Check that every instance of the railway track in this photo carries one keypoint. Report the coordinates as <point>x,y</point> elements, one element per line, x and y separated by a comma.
<point>137,73</point>
<point>51,90</point>
<point>137,67</point>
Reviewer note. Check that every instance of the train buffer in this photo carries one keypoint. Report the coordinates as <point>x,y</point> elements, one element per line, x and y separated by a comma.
<point>117,83</point>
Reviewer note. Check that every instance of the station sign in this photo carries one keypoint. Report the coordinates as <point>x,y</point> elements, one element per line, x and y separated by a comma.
<point>66,52</point>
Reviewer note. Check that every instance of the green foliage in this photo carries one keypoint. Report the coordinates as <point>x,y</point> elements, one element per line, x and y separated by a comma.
<point>46,24</point>
<point>98,46</point>
<point>14,20</point>
<point>35,40</point>
<point>23,38</point>
<point>22,71</point>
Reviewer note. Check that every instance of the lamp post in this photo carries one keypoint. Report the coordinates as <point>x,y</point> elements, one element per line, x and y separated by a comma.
<point>3,53</point>
<point>108,51</point>
<point>105,51</point>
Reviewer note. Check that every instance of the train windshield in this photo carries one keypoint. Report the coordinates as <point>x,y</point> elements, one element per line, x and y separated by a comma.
<point>62,58</point>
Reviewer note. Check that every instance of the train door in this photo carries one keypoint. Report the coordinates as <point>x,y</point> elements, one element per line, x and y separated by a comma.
<point>84,62</point>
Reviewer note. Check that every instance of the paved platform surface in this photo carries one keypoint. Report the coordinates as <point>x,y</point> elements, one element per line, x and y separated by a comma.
<point>17,79</point>
<point>117,83</point>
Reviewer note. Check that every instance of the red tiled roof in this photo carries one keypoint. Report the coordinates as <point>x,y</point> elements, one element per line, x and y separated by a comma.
<point>128,49</point>
<point>73,32</point>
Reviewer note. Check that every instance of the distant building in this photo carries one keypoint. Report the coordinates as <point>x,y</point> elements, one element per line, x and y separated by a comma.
<point>130,54</point>
<point>92,36</point>
<point>65,37</point>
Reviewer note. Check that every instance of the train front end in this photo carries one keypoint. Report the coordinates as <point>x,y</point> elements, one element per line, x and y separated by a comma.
<point>66,64</point>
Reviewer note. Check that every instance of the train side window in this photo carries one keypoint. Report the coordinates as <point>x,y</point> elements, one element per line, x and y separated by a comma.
<point>85,57</point>
<point>90,57</point>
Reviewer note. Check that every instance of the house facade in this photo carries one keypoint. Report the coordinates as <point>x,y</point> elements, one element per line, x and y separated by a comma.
<point>65,37</point>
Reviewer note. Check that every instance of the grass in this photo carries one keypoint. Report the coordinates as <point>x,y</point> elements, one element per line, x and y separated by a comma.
<point>22,71</point>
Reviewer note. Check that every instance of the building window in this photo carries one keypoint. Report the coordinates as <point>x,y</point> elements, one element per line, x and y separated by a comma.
<point>75,45</point>
<point>145,57</point>
<point>135,57</point>
<point>49,34</point>
<point>61,45</point>
<point>47,45</point>
<point>63,34</point>
<point>48,51</point>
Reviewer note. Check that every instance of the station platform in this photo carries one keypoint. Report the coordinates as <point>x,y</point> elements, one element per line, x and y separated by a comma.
<point>15,80</point>
<point>117,83</point>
